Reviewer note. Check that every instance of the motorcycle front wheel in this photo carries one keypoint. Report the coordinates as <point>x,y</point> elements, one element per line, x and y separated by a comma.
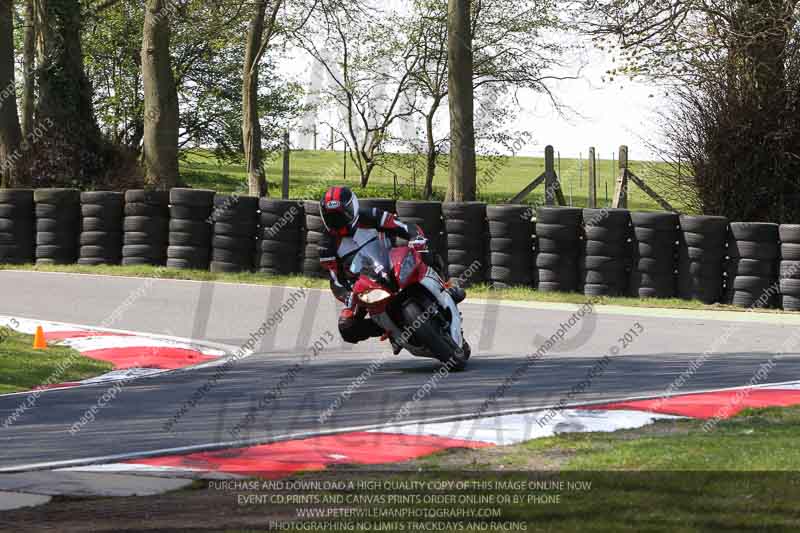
<point>431,334</point>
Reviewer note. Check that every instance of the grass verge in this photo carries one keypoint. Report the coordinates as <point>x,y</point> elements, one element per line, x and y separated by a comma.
<point>481,291</point>
<point>23,368</point>
<point>670,476</point>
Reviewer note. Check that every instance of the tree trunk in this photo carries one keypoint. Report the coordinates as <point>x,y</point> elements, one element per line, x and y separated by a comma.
<point>160,99</point>
<point>459,82</point>
<point>251,125</point>
<point>10,135</point>
<point>28,66</point>
<point>65,92</point>
<point>430,170</point>
<point>370,166</point>
<point>69,149</point>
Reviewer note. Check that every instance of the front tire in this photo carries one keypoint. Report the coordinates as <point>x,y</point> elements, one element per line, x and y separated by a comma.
<point>429,334</point>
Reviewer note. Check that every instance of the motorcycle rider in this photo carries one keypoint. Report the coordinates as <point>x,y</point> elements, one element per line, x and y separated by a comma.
<point>348,228</point>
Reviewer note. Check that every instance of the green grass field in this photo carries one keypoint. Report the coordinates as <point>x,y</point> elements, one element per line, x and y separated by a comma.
<point>313,171</point>
<point>23,368</point>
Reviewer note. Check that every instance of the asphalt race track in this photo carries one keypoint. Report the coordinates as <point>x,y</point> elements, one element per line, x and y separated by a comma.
<point>228,314</point>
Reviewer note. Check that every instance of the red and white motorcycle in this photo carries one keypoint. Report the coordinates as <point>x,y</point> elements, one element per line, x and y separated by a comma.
<point>410,301</point>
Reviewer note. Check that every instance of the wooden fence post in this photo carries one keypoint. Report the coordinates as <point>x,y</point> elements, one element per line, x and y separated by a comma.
<point>550,176</point>
<point>621,191</point>
<point>286,153</point>
<point>592,179</point>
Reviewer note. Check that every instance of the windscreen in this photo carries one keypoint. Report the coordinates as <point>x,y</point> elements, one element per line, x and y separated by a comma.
<point>372,260</point>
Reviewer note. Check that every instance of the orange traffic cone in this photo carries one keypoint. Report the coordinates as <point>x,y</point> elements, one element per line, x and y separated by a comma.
<point>39,342</point>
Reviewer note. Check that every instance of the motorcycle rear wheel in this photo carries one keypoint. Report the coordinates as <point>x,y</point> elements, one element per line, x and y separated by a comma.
<point>433,337</point>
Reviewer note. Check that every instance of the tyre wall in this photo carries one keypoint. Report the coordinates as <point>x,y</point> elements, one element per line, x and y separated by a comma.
<point>190,228</point>
<point>558,248</point>
<point>145,227</point>
<point>596,251</point>
<point>753,254</point>
<point>58,225</point>
<point>313,231</point>
<point>467,236</point>
<point>607,252</point>
<point>701,255</point>
<point>790,266</point>
<point>282,242</point>
<point>102,214</point>
<point>17,226</point>
<point>233,246</point>
<point>511,255</point>
<point>654,248</point>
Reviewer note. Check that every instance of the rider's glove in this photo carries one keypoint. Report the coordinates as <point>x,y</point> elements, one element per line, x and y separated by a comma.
<point>420,244</point>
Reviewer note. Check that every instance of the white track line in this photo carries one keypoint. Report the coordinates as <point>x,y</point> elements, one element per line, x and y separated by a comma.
<point>513,429</point>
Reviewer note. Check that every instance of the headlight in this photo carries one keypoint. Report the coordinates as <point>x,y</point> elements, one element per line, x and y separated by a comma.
<point>374,296</point>
<point>407,268</point>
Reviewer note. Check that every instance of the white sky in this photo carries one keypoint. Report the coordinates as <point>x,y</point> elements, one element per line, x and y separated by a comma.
<point>602,114</point>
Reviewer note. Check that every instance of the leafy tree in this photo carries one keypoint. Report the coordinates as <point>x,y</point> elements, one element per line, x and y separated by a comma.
<point>732,68</point>
<point>207,63</point>
<point>513,49</point>
<point>10,133</point>
<point>463,186</point>
<point>28,69</point>
<point>160,138</point>
<point>70,148</point>
<point>112,44</point>
<point>369,65</point>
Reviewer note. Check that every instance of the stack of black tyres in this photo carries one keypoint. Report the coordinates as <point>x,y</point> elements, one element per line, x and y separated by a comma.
<point>607,252</point>
<point>190,228</point>
<point>384,204</point>
<point>790,266</point>
<point>428,216</point>
<point>315,229</point>
<point>511,257</point>
<point>753,255</point>
<point>654,248</point>
<point>465,225</point>
<point>146,227</point>
<point>701,254</point>
<point>558,248</point>
<point>58,225</point>
<point>235,227</point>
<point>17,226</point>
<point>101,228</point>
<point>281,229</point>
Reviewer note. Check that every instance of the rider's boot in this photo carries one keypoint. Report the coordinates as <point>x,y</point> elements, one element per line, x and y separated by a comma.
<point>396,348</point>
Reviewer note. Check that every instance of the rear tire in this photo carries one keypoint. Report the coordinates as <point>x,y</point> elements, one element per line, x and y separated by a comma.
<point>430,335</point>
